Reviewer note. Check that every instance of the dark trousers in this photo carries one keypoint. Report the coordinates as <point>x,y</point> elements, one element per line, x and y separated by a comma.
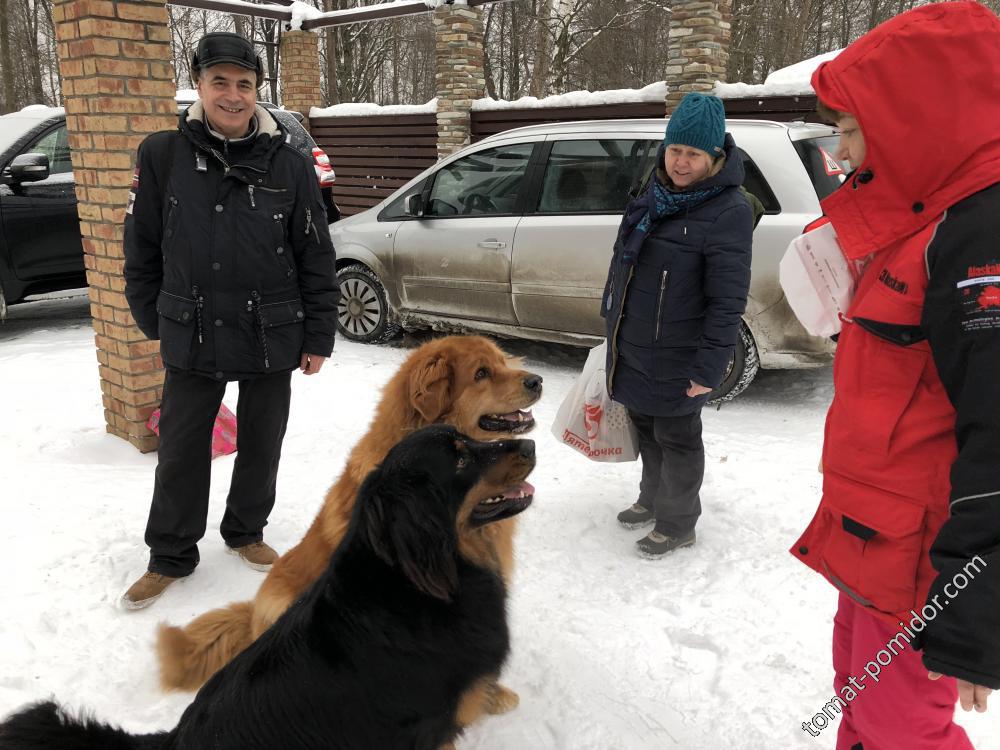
<point>673,467</point>
<point>179,512</point>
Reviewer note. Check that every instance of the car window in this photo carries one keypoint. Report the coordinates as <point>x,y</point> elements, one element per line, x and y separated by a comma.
<point>397,209</point>
<point>817,154</point>
<point>55,145</point>
<point>754,182</point>
<point>592,176</point>
<point>481,184</point>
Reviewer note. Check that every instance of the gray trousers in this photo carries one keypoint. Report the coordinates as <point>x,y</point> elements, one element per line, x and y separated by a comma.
<point>673,467</point>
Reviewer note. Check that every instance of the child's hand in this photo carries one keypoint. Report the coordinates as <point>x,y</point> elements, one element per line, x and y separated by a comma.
<point>969,695</point>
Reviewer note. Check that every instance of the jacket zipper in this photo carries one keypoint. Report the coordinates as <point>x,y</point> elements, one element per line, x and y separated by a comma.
<point>199,303</point>
<point>254,306</point>
<point>659,302</point>
<point>614,334</point>
<point>253,204</point>
<point>309,223</point>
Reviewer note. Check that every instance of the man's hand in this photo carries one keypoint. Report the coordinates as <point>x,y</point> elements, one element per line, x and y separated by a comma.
<point>697,389</point>
<point>969,695</point>
<point>310,364</point>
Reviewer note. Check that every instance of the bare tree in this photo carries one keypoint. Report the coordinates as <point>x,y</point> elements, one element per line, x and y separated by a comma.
<point>9,101</point>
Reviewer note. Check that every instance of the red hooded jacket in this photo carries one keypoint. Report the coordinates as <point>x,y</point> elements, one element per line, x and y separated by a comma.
<point>911,455</point>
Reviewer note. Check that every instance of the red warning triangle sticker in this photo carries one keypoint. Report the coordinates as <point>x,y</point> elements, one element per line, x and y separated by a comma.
<point>831,165</point>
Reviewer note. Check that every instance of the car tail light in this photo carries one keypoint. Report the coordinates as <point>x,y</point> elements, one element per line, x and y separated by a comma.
<point>324,172</point>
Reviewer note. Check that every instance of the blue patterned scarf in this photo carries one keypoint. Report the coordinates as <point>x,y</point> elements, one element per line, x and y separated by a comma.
<point>652,207</point>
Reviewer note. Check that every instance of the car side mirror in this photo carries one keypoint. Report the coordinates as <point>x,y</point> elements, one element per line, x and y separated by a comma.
<point>415,205</point>
<point>29,168</point>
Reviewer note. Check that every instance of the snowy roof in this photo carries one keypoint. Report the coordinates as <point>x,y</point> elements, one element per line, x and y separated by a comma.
<point>37,112</point>
<point>791,81</point>
<point>362,109</point>
<point>654,92</point>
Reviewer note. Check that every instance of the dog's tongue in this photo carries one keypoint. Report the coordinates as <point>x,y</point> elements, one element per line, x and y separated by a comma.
<point>524,490</point>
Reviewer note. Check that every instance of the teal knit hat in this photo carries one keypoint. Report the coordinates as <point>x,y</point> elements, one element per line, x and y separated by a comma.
<point>699,122</point>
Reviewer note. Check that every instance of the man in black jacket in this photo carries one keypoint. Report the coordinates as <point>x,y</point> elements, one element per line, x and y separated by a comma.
<point>228,262</point>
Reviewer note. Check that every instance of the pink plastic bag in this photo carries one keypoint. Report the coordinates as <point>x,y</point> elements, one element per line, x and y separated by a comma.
<point>223,433</point>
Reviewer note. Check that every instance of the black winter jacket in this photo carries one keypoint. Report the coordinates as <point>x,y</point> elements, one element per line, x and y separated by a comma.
<point>961,318</point>
<point>675,316</point>
<point>228,258</point>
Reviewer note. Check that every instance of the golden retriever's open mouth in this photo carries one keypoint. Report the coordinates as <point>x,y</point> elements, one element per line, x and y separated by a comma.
<point>499,507</point>
<point>515,422</point>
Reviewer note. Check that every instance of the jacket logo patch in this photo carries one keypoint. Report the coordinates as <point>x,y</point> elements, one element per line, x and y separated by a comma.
<point>979,296</point>
<point>892,282</point>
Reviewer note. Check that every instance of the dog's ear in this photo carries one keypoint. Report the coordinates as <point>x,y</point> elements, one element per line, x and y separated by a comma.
<point>430,387</point>
<point>407,528</point>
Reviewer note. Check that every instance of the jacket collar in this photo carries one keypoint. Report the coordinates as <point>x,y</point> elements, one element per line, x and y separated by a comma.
<point>256,148</point>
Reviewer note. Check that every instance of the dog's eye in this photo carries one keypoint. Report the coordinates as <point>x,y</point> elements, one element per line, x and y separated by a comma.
<point>482,372</point>
<point>463,461</point>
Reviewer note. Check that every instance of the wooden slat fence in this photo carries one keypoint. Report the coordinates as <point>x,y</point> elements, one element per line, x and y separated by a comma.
<point>374,155</point>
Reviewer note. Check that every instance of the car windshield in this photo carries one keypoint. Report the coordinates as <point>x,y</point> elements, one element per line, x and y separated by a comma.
<point>817,154</point>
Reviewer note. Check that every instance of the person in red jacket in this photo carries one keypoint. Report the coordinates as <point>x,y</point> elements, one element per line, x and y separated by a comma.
<point>908,528</point>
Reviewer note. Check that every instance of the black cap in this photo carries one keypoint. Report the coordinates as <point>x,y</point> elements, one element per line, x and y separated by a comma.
<point>225,47</point>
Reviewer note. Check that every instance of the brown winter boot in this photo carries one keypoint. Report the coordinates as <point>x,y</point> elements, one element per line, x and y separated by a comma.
<point>146,590</point>
<point>257,555</point>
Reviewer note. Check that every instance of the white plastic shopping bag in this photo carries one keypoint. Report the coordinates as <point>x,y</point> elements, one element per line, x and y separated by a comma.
<point>818,281</point>
<point>590,422</point>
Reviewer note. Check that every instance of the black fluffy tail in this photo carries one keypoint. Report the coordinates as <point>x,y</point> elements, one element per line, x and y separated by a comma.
<point>45,726</point>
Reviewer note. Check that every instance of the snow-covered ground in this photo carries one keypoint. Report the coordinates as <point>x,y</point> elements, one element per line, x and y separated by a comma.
<point>724,646</point>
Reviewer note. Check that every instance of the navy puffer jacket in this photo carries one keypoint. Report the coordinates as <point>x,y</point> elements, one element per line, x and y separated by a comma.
<point>674,316</point>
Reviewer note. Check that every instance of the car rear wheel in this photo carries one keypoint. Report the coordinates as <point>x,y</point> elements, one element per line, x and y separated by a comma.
<point>741,371</point>
<point>363,312</point>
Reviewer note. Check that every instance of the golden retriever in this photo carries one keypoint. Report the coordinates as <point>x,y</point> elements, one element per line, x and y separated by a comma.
<point>463,381</point>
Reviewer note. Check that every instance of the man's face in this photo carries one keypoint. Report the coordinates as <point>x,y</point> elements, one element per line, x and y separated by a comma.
<point>229,95</point>
<point>852,142</point>
<point>686,165</point>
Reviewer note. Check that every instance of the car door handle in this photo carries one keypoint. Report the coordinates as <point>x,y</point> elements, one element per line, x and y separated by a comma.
<point>493,244</point>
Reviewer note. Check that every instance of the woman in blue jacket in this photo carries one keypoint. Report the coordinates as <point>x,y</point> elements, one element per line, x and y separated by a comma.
<point>676,291</point>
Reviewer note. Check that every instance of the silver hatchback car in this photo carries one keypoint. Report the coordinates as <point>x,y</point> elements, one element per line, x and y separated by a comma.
<point>513,236</point>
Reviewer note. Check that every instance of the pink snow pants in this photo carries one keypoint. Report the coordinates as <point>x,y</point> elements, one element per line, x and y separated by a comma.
<point>903,710</point>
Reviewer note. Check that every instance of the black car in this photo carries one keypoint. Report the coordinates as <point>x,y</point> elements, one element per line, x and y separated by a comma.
<point>41,249</point>
<point>40,245</point>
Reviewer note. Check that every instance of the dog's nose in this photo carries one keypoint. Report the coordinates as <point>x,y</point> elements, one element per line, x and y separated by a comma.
<point>533,383</point>
<point>526,448</point>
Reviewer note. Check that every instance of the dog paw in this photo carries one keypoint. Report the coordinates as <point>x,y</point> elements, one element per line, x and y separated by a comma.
<point>502,699</point>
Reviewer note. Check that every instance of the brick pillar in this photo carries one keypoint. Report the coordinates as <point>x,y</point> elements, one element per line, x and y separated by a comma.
<point>460,79</point>
<point>697,47</point>
<point>118,86</point>
<point>300,84</point>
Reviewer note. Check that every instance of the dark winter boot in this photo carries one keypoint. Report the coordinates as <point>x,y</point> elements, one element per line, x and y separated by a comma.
<point>655,545</point>
<point>635,517</point>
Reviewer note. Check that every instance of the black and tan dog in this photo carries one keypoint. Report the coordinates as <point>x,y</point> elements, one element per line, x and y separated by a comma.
<point>395,646</point>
